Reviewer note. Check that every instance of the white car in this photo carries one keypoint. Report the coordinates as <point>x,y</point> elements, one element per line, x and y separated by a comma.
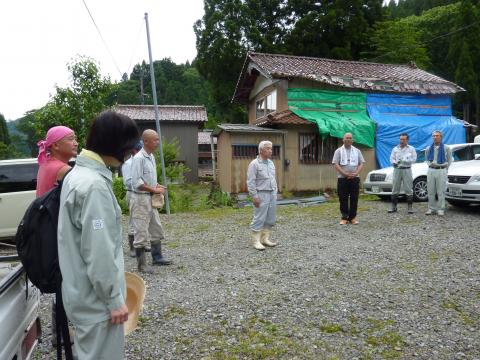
<point>18,181</point>
<point>380,182</point>
<point>463,186</point>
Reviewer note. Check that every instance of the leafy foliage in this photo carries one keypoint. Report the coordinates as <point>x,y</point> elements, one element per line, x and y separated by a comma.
<point>76,106</point>
<point>174,171</point>
<point>228,29</point>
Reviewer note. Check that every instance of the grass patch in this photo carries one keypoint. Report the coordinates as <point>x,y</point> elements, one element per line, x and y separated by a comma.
<point>331,328</point>
<point>462,314</point>
<point>174,311</point>
<point>256,339</point>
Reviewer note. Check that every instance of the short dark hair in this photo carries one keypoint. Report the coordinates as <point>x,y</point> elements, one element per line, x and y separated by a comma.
<point>405,134</point>
<point>112,134</point>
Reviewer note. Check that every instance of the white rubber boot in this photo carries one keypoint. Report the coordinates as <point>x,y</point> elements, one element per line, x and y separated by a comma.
<point>256,240</point>
<point>265,238</point>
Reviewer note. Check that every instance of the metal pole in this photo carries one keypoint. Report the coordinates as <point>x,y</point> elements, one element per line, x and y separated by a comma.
<point>157,118</point>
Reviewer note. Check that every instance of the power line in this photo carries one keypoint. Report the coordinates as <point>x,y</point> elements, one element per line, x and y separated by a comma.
<point>104,42</point>
<point>135,46</point>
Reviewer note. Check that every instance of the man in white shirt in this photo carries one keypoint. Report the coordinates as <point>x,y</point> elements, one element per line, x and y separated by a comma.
<point>127,181</point>
<point>348,161</point>
<point>402,158</point>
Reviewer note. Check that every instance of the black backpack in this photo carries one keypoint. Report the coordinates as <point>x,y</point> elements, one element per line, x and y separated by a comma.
<point>36,241</point>
<point>37,248</point>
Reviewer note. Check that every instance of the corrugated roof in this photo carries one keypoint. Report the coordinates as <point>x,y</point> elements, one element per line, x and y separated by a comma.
<point>166,112</point>
<point>244,128</point>
<point>204,137</point>
<point>351,74</point>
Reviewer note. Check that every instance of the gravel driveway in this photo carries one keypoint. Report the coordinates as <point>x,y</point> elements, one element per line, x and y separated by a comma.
<point>394,287</point>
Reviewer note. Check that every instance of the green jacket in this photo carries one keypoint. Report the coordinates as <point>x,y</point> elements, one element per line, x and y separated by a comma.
<point>90,244</point>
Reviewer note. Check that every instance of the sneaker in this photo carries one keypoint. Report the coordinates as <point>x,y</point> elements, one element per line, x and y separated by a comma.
<point>429,212</point>
<point>440,213</point>
<point>343,222</point>
<point>354,221</point>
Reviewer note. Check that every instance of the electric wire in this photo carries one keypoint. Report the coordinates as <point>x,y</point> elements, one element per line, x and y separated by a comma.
<point>103,40</point>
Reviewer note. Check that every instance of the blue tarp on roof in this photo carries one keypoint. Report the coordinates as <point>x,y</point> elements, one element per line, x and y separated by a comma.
<point>416,115</point>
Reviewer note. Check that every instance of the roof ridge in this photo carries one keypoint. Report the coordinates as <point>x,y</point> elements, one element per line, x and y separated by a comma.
<point>330,60</point>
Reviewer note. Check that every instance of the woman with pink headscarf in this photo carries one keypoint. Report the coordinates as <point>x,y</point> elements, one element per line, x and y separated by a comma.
<point>59,146</point>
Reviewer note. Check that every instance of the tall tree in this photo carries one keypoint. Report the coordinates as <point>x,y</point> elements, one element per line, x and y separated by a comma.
<point>75,106</point>
<point>4,135</point>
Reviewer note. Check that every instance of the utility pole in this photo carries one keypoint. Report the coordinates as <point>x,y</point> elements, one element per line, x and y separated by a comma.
<point>141,85</point>
<point>157,118</point>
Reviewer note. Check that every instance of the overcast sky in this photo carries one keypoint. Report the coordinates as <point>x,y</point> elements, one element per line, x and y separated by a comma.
<point>39,38</point>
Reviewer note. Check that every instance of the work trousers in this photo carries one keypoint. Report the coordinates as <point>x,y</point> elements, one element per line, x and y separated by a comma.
<point>402,177</point>
<point>100,341</point>
<point>348,190</point>
<point>264,216</point>
<point>146,221</point>
<point>436,185</point>
<point>131,230</point>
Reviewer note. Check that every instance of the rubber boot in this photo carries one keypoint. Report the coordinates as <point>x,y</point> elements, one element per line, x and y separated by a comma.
<point>256,240</point>
<point>410,204</point>
<point>265,238</point>
<point>157,258</point>
<point>142,261</point>
<point>393,207</point>
<point>132,249</point>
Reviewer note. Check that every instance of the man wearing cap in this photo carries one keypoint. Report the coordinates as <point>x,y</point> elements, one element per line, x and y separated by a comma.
<point>146,220</point>
<point>438,157</point>
<point>348,161</point>
<point>127,181</point>
<point>402,158</point>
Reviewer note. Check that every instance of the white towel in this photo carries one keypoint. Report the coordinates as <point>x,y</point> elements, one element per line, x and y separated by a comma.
<point>345,159</point>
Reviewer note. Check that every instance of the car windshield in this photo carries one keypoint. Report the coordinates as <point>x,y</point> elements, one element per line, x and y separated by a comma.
<point>421,156</point>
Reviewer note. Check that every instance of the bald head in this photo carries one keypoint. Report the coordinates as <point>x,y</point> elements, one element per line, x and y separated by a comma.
<point>150,140</point>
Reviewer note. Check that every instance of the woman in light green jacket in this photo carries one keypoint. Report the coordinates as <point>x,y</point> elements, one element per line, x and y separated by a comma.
<point>90,240</point>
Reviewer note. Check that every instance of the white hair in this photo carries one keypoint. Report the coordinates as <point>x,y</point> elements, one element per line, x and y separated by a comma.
<point>438,132</point>
<point>263,143</point>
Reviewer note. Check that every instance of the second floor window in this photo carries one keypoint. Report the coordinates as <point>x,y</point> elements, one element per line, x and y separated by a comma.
<point>266,105</point>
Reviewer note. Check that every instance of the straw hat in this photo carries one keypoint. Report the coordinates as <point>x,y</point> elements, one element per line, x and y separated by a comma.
<point>135,297</point>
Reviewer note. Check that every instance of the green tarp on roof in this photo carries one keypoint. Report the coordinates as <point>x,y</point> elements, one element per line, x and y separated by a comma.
<point>334,112</point>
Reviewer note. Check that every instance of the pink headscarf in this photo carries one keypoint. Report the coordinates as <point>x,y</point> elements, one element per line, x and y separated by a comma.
<point>54,134</point>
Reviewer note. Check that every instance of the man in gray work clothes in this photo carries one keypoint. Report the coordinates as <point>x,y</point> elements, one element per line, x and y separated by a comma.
<point>439,158</point>
<point>262,187</point>
<point>402,158</point>
<point>146,220</point>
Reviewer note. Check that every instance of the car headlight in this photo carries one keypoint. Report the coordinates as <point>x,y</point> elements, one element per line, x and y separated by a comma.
<point>389,177</point>
<point>475,178</point>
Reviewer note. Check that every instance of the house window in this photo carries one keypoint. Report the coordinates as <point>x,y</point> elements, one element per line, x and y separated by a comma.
<point>314,150</point>
<point>266,105</point>
<point>250,151</point>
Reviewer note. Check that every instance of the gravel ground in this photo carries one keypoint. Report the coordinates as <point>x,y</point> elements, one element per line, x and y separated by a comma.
<point>394,287</point>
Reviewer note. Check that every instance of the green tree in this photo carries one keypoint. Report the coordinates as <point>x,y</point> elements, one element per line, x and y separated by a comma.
<point>75,106</point>
<point>4,135</point>
<point>399,42</point>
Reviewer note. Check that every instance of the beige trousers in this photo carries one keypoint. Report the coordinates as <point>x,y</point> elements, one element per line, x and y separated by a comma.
<point>146,221</point>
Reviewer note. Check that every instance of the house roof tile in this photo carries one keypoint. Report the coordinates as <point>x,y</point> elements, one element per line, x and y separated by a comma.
<point>187,113</point>
<point>351,74</point>
<point>284,118</point>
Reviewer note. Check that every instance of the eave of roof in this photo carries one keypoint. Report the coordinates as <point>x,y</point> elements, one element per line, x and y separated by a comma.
<point>367,76</point>
<point>183,113</point>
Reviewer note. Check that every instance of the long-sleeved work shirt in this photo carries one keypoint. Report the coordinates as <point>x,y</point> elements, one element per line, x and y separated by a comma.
<point>144,171</point>
<point>127,174</point>
<point>261,176</point>
<point>403,157</point>
<point>90,242</point>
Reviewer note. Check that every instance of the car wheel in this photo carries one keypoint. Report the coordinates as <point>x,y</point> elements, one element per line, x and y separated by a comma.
<point>420,189</point>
